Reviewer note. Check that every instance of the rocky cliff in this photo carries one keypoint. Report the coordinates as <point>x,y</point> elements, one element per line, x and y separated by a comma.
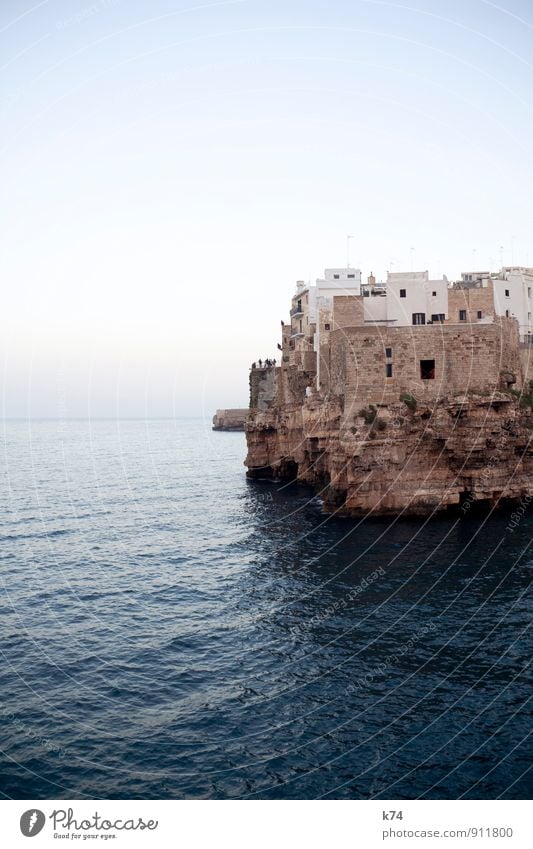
<point>408,458</point>
<point>229,419</point>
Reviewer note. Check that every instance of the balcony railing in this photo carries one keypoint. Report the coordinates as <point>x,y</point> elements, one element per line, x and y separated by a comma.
<point>296,311</point>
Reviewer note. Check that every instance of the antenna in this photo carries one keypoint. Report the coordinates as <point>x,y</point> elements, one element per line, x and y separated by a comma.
<point>348,250</point>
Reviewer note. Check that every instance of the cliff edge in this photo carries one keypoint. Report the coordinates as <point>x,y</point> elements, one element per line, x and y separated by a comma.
<point>413,459</point>
<point>229,419</point>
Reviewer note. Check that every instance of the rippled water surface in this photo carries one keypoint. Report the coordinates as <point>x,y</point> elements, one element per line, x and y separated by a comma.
<point>169,629</point>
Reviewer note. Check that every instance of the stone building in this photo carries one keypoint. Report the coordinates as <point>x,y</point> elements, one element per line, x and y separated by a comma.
<point>411,396</point>
<point>459,323</point>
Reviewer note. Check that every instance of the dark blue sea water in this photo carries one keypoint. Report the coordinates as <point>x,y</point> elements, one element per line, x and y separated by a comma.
<point>169,629</point>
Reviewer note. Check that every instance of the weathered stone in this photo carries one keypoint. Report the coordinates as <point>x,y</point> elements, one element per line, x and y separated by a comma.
<point>429,461</point>
<point>229,419</point>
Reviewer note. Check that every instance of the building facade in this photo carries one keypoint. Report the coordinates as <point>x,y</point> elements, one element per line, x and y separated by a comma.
<point>405,299</point>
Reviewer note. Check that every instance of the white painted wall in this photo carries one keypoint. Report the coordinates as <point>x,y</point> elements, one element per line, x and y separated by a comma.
<point>339,281</point>
<point>519,301</point>
<point>375,309</point>
<point>419,297</point>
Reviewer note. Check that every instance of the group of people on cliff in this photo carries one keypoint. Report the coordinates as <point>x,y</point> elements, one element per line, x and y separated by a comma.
<point>264,364</point>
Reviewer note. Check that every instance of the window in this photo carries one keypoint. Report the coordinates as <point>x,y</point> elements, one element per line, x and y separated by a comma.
<point>388,368</point>
<point>388,353</point>
<point>326,327</point>
<point>438,317</point>
<point>434,294</point>
<point>427,369</point>
<point>507,293</point>
<point>336,276</point>
<point>462,315</point>
<point>403,293</point>
<point>506,313</point>
<point>479,314</point>
<point>351,276</point>
<point>299,306</point>
<point>419,318</point>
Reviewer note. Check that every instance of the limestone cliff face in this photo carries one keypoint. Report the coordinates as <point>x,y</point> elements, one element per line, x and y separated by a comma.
<point>229,419</point>
<point>456,451</point>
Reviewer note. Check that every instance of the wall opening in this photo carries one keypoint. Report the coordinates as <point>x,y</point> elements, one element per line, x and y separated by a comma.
<point>427,369</point>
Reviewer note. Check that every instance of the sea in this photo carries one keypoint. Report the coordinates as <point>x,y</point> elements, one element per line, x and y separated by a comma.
<point>170,629</point>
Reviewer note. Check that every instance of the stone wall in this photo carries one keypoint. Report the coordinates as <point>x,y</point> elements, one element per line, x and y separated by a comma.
<point>348,311</point>
<point>229,419</point>
<point>464,358</point>
<point>275,387</point>
<point>263,387</point>
<point>526,360</point>
<point>472,301</point>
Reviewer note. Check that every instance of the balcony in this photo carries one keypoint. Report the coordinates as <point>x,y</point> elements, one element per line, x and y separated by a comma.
<point>296,311</point>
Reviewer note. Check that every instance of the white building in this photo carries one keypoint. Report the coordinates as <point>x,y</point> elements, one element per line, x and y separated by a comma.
<point>513,297</point>
<point>412,298</point>
<point>336,281</point>
<point>406,298</point>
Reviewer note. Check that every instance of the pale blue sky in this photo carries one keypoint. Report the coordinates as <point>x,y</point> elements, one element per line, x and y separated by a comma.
<point>171,168</point>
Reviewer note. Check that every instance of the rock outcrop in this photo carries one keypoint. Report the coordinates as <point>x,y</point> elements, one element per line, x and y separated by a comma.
<point>229,419</point>
<point>457,451</point>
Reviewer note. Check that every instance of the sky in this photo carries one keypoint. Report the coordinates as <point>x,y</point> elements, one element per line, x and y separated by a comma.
<point>170,169</point>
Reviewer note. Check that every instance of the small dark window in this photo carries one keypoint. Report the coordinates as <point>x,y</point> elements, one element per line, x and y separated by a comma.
<point>419,318</point>
<point>438,317</point>
<point>403,293</point>
<point>326,326</point>
<point>427,369</point>
<point>479,314</point>
<point>351,276</point>
<point>506,313</point>
<point>389,369</point>
<point>462,315</point>
<point>434,294</point>
<point>388,353</point>
<point>335,276</point>
<point>507,293</point>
